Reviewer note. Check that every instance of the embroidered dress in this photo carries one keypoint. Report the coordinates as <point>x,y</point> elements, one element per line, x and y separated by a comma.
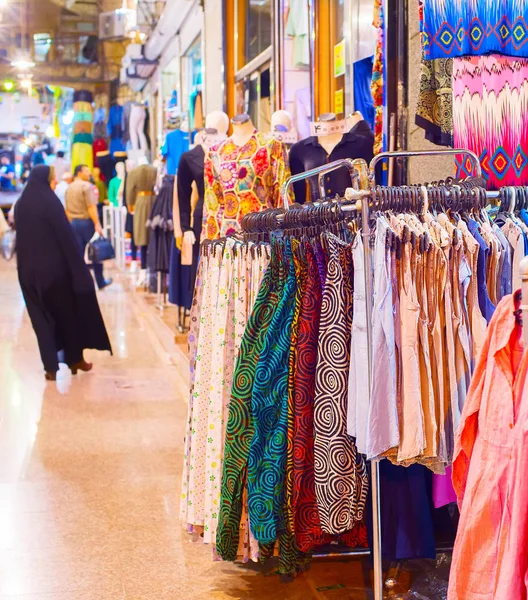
<point>241,180</point>
<point>454,28</point>
<point>489,117</point>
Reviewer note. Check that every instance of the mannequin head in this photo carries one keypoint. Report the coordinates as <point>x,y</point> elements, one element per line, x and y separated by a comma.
<point>281,120</point>
<point>120,169</point>
<point>217,120</point>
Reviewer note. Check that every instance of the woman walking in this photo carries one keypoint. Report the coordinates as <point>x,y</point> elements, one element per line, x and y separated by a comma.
<point>56,283</point>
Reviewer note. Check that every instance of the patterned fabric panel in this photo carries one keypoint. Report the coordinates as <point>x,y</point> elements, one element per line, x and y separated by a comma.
<point>489,117</point>
<point>475,27</point>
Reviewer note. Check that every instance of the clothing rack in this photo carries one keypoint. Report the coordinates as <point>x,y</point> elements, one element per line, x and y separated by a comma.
<point>363,182</point>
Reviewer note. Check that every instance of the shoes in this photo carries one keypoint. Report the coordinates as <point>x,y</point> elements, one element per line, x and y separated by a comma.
<point>142,278</point>
<point>51,376</point>
<point>81,366</point>
<point>106,283</point>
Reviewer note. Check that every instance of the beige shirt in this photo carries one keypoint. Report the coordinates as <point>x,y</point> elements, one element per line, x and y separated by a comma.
<point>79,196</point>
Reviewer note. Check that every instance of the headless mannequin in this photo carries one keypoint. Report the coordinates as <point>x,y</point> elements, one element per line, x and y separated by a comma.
<point>243,129</point>
<point>281,120</point>
<point>329,142</point>
<point>116,198</point>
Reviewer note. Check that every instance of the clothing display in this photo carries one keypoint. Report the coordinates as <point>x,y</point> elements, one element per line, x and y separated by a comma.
<point>82,154</point>
<point>490,93</point>
<point>161,226</point>
<point>434,113</point>
<point>176,143</point>
<point>115,128</point>
<point>241,180</point>
<point>82,150</point>
<point>486,561</point>
<point>308,154</point>
<point>99,145</point>
<point>138,114</point>
<point>298,27</point>
<point>191,170</point>
<point>455,28</point>
<point>139,198</point>
<point>378,76</point>
<point>106,163</point>
<point>363,101</point>
<point>113,190</point>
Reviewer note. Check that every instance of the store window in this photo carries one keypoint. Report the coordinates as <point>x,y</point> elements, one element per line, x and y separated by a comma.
<point>192,81</point>
<point>254,29</point>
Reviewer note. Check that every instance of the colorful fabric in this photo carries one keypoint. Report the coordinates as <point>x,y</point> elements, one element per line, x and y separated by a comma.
<point>483,455</point>
<point>341,480</point>
<point>240,426</point>
<point>378,88</point>
<point>455,28</point>
<point>241,180</point>
<point>490,102</point>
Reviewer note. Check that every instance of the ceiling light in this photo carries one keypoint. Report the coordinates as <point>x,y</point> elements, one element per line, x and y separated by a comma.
<point>23,148</point>
<point>8,85</point>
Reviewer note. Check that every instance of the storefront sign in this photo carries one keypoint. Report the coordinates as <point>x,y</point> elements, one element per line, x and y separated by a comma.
<point>339,101</point>
<point>339,59</point>
<point>329,127</point>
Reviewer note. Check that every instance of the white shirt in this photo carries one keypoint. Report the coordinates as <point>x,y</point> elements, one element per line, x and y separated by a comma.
<point>61,166</point>
<point>60,191</point>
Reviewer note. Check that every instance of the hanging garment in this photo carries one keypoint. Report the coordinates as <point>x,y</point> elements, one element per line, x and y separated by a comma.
<point>99,145</point>
<point>241,180</point>
<point>489,95</point>
<point>113,190</point>
<point>176,143</point>
<point>456,28</point>
<point>115,128</point>
<point>191,170</point>
<point>434,113</point>
<point>161,228</point>
<point>107,165</point>
<point>482,457</point>
<point>335,455</point>
<point>82,154</point>
<point>298,27</point>
<point>363,101</point>
<point>140,198</point>
<point>138,114</point>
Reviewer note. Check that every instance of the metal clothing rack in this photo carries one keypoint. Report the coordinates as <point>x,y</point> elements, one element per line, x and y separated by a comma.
<point>363,182</point>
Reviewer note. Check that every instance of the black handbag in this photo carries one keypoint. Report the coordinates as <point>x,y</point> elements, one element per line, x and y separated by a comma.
<point>100,250</point>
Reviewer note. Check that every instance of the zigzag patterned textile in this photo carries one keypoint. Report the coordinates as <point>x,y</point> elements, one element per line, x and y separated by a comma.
<point>490,105</point>
<point>475,27</point>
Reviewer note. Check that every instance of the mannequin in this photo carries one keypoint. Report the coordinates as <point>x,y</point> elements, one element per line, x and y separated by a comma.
<point>243,129</point>
<point>316,151</point>
<point>281,120</point>
<point>188,212</point>
<point>243,174</point>
<point>138,115</point>
<point>140,198</point>
<point>115,185</point>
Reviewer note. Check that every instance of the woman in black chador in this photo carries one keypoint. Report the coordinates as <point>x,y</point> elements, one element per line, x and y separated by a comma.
<point>56,283</point>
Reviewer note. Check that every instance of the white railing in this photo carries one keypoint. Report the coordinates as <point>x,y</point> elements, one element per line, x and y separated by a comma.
<point>114,218</point>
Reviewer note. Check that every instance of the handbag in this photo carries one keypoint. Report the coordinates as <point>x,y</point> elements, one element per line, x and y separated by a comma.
<point>8,244</point>
<point>100,250</point>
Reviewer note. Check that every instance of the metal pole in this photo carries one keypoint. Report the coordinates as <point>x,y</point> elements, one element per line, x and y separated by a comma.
<point>407,154</point>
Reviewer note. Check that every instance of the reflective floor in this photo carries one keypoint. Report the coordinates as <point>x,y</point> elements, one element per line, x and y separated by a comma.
<point>90,472</point>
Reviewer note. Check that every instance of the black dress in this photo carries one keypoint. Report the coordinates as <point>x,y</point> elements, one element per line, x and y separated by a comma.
<point>57,286</point>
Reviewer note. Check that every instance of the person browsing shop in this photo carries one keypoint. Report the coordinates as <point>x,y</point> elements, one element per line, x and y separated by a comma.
<point>81,208</point>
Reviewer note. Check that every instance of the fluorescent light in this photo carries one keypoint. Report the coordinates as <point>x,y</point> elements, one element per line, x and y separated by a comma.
<point>23,64</point>
<point>22,148</point>
<point>68,118</point>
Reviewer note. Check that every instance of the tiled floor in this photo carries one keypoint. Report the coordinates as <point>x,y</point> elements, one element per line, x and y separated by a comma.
<point>90,472</point>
